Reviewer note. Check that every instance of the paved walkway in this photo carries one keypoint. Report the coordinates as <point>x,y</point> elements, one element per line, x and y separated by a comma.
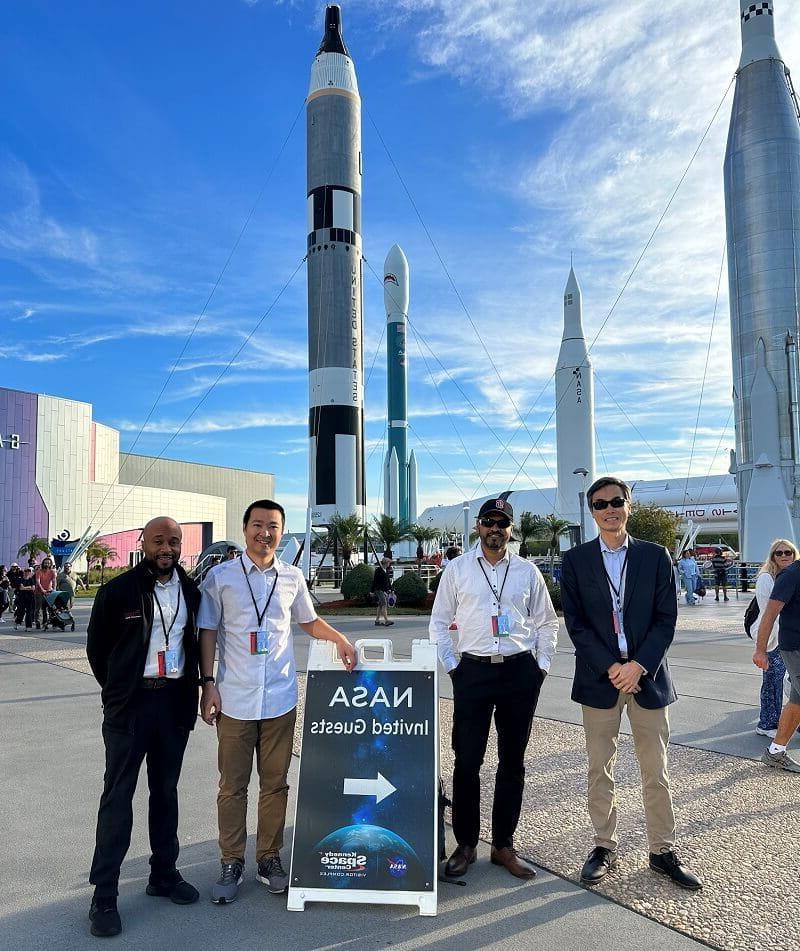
<point>739,824</point>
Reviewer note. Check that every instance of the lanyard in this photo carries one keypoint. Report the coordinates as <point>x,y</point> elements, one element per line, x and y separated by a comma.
<point>259,614</point>
<point>494,590</point>
<point>617,590</point>
<point>168,630</point>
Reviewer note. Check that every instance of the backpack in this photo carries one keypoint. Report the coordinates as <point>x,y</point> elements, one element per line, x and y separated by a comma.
<point>750,617</point>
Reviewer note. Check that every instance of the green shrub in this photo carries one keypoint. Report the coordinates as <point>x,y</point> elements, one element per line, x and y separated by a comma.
<point>410,588</point>
<point>434,585</point>
<point>357,583</point>
<point>555,592</point>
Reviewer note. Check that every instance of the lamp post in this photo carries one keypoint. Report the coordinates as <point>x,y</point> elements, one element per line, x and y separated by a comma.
<point>581,499</point>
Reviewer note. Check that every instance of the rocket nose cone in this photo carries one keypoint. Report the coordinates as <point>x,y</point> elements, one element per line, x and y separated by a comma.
<point>758,32</point>
<point>332,41</point>
<point>395,281</point>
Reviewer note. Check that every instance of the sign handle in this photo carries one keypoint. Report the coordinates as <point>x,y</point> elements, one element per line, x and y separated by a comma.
<point>374,642</point>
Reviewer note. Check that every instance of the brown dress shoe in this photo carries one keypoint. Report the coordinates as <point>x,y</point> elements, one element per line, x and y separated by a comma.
<point>460,861</point>
<point>515,864</point>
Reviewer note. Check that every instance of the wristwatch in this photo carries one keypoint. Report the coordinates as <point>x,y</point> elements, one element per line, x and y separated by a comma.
<point>207,680</point>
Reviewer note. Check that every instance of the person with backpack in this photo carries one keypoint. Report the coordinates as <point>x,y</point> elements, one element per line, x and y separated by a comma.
<point>781,554</point>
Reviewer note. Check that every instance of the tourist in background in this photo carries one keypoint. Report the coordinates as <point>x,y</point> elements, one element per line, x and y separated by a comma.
<point>45,584</point>
<point>24,601</point>
<point>781,554</point>
<point>720,564</point>
<point>381,586</point>
<point>688,570</point>
<point>5,592</point>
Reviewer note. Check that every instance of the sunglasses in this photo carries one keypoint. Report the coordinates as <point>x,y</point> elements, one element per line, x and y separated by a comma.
<point>781,552</point>
<point>502,522</point>
<point>599,504</point>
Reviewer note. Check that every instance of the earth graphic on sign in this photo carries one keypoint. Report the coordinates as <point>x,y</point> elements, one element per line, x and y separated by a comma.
<point>368,855</point>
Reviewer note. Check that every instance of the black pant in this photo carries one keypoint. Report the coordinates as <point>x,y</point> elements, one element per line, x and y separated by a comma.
<point>157,736</point>
<point>510,691</point>
<point>23,608</point>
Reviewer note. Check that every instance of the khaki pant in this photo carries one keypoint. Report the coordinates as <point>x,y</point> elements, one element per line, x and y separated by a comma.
<point>272,742</point>
<point>651,738</point>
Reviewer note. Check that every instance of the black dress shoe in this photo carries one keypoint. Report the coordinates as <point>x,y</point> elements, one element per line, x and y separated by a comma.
<point>668,863</point>
<point>460,861</point>
<point>104,918</point>
<point>177,890</point>
<point>600,861</point>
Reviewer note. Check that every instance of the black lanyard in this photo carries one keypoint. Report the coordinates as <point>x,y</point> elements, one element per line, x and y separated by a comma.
<point>168,630</point>
<point>617,590</point>
<point>259,614</point>
<point>494,590</point>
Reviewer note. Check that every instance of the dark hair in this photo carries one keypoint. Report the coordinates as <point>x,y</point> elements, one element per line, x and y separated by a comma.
<point>602,482</point>
<point>451,553</point>
<point>264,504</point>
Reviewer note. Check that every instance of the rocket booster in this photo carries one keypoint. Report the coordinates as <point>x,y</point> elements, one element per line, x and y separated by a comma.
<point>574,413</point>
<point>762,209</point>
<point>335,281</point>
<point>396,300</point>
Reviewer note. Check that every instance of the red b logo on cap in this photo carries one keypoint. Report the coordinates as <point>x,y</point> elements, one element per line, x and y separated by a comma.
<point>500,504</point>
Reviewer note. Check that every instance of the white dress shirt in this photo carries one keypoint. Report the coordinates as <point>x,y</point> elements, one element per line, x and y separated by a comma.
<point>615,562</point>
<point>171,599</point>
<point>255,686</point>
<point>473,590</point>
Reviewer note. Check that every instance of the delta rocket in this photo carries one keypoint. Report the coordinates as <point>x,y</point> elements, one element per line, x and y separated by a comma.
<point>400,471</point>
<point>574,415</point>
<point>762,209</point>
<point>335,281</point>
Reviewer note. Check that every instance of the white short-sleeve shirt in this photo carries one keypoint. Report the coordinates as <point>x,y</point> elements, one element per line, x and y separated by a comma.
<point>255,686</point>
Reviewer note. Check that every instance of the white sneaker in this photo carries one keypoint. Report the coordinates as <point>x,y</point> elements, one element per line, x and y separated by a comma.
<point>769,733</point>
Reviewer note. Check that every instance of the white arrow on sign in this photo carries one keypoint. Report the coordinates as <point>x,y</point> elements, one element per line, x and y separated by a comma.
<point>380,788</point>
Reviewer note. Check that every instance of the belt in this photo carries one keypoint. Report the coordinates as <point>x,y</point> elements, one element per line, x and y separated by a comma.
<point>496,658</point>
<point>156,683</point>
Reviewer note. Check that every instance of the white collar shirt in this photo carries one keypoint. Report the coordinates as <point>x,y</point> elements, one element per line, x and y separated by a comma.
<point>255,686</point>
<point>473,591</point>
<point>615,561</point>
<point>169,597</point>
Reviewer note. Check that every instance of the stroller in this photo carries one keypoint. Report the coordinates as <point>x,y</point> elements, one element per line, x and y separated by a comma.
<point>57,613</point>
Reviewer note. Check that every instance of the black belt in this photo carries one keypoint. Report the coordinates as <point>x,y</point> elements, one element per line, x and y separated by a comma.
<point>496,658</point>
<point>156,683</point>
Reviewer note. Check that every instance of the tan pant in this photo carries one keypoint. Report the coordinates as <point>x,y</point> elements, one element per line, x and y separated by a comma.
<point>651,739</point>
<point>272,742</point>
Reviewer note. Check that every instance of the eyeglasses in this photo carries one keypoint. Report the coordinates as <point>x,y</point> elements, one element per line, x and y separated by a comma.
<point>502,522</point>
<point>782,553</point>
<point>599,504</point>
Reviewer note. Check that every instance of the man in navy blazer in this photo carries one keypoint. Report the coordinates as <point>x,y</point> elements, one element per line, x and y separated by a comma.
<point>620,609</point>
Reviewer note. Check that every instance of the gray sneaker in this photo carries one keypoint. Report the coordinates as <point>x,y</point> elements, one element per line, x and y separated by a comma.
<point>226,887</point>
<point>271,873</point>
<point>780,760</point>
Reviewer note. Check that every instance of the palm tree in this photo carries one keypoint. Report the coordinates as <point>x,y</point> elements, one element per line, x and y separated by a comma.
<point>422,534</point>
<point>100,553</point>
<point>35,545</point>
<point>390,531</point>
<point>553,528</point>
<point>349,530</point>
<point>530,526</point>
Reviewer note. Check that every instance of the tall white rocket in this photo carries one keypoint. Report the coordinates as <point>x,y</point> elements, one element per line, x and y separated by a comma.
<point>762,208</point>
<point>574,413</point>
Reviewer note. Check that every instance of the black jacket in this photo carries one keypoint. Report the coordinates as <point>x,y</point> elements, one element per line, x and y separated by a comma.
<point>649,612</point>
<point>119,637</point>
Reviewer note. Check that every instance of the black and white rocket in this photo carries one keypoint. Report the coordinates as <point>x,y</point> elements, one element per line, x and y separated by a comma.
<point>762,208</point>
<point>335,281</point>
<point>574,415</point>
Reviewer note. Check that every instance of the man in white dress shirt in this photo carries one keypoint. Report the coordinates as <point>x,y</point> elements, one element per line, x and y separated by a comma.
<point>248,605</point>
<point>507,631</point>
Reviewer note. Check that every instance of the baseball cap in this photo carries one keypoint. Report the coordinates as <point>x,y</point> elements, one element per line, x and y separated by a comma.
<point>501,506</point>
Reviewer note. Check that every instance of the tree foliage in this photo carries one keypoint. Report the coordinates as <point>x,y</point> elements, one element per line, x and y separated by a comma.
<point>410,588</point>
<point>349,530</point>
<point>530,527</point>
<point>357,583</point>
<point>652,523</point>
<point>388,530</point>
<point>35,545</point>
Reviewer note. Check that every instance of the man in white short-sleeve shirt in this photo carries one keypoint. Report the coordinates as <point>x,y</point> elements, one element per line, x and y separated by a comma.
<point>248,606</point>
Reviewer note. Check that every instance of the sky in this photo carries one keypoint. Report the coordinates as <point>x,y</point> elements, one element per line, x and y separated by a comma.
<point>153,225</point>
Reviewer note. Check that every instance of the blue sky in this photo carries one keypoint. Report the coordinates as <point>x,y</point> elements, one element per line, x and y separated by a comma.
<point>136,139</point>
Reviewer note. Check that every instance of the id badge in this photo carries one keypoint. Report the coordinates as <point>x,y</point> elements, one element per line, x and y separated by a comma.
<point>615,616</point>
<point>259,642</point>
<point>171,661</point>
<point>501,625</point>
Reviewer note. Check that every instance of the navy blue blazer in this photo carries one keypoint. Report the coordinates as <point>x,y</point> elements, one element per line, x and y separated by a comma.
<point>650,611</point>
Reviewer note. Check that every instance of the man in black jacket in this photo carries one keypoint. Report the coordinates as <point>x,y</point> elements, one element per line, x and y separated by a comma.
<point>142,647</point>
<point>620,609</point>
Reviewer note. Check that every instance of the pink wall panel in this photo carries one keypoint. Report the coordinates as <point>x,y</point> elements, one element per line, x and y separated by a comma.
<point>126,542</point>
